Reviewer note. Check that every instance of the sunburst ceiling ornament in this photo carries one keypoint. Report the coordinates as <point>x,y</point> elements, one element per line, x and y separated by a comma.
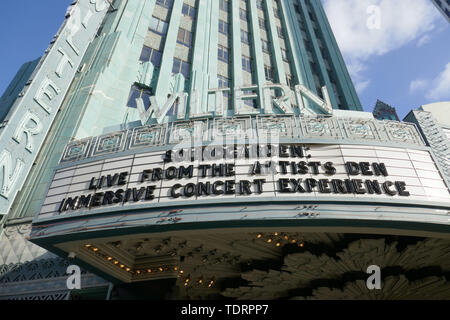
<point>419,270</point>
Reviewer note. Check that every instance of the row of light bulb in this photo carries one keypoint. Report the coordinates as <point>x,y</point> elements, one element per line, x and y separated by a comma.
<point>128,269</point>
<point>199,282</point>
<point>278,242</point>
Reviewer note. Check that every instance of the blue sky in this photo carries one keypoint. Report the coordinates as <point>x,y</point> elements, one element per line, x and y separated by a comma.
<point>26,29</point>
<point>404,61</point>
<point>397,51</point>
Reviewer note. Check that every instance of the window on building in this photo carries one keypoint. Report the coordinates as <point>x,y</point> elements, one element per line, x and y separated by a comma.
<point>158,26</point>
<point>276,12</point>
<point>224,83</point>
<point>270,74</point>
<point>243,14</point>
<point>265,46</point>
<point>180,66</point>
<point>224,5</point>
<point>184,37</point>
<point>137,93</point>
<point>280,32</point>
<point>245,37</point>
<point>188,11</point>
<point>262,23</point>
<point>259,4</point>
<point>224,54</point>
<point>284,54</point>
<point>247,64</point>
<point>223,27</point>
<point>165,3</point>
<point>251,103</point>
<point>152,55</point>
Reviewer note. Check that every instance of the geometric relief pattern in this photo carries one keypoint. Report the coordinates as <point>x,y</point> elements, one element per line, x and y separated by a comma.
<point>42,297</point>
<point>233,128</point>
<point>240,128</point>
<point>361,129</point>
<point>77,150</point>
<point>401,132</point>
<point>395,288</point>
<point>417,271</point>
<point>41,280</point>
<point>188,131</point>
<point>147,137</point>
<point>110,143</point>
<point>33,270</point>
<point>437,139</point>
<point>282,127</point>
<point>15,248</point>
<point>320,127</point>
<point>54,267</point>
<point>24,262</point>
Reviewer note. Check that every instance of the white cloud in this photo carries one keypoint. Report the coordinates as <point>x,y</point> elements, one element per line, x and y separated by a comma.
<point>441,86</point>
<point>423,41</point>
<point>417,84</point>
<point>360,86</point>
<point>401,22</point>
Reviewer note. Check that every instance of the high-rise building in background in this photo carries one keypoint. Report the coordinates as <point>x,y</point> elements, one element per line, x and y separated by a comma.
<point>383,111</point>
<point>444,7</point>
<point>433,121</point>
<point>209,149</point>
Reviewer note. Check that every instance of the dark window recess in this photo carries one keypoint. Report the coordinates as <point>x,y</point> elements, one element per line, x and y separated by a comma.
<point>137,92</point>
<point>152,55</point>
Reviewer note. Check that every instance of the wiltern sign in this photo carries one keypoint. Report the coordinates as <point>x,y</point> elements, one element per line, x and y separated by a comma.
<point>29,120</point>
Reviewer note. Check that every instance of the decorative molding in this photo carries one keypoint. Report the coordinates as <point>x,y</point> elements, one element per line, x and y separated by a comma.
<point>280,127</point>
<point>15,248</point>
<point>320,127</point>
<point>77,150</point>
<point>247,128</point>
<point>29,272</point>
<point>233,128</point>
<point>188,131</point>
<point>436,138</point>
<point>402,133</point>
<point>148,137</point>
<point>110,143</point>
<point>361,129</point>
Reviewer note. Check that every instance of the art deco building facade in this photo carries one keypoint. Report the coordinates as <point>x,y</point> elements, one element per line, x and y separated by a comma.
<point>383,111</point>
<point>444,7</point>
<point>433,121</point>
<point>209,149</point>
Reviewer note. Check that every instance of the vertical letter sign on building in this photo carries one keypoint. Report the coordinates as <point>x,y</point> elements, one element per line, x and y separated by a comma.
<point>29,120</point>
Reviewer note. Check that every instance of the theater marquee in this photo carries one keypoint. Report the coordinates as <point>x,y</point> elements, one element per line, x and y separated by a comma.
<point>243,173</point>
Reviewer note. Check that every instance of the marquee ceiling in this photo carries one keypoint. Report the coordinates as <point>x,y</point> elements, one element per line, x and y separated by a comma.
<point>275,264</point>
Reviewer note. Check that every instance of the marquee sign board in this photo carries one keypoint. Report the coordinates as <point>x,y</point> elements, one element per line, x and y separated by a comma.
<point>240,173</point>
<point>29,120</point>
